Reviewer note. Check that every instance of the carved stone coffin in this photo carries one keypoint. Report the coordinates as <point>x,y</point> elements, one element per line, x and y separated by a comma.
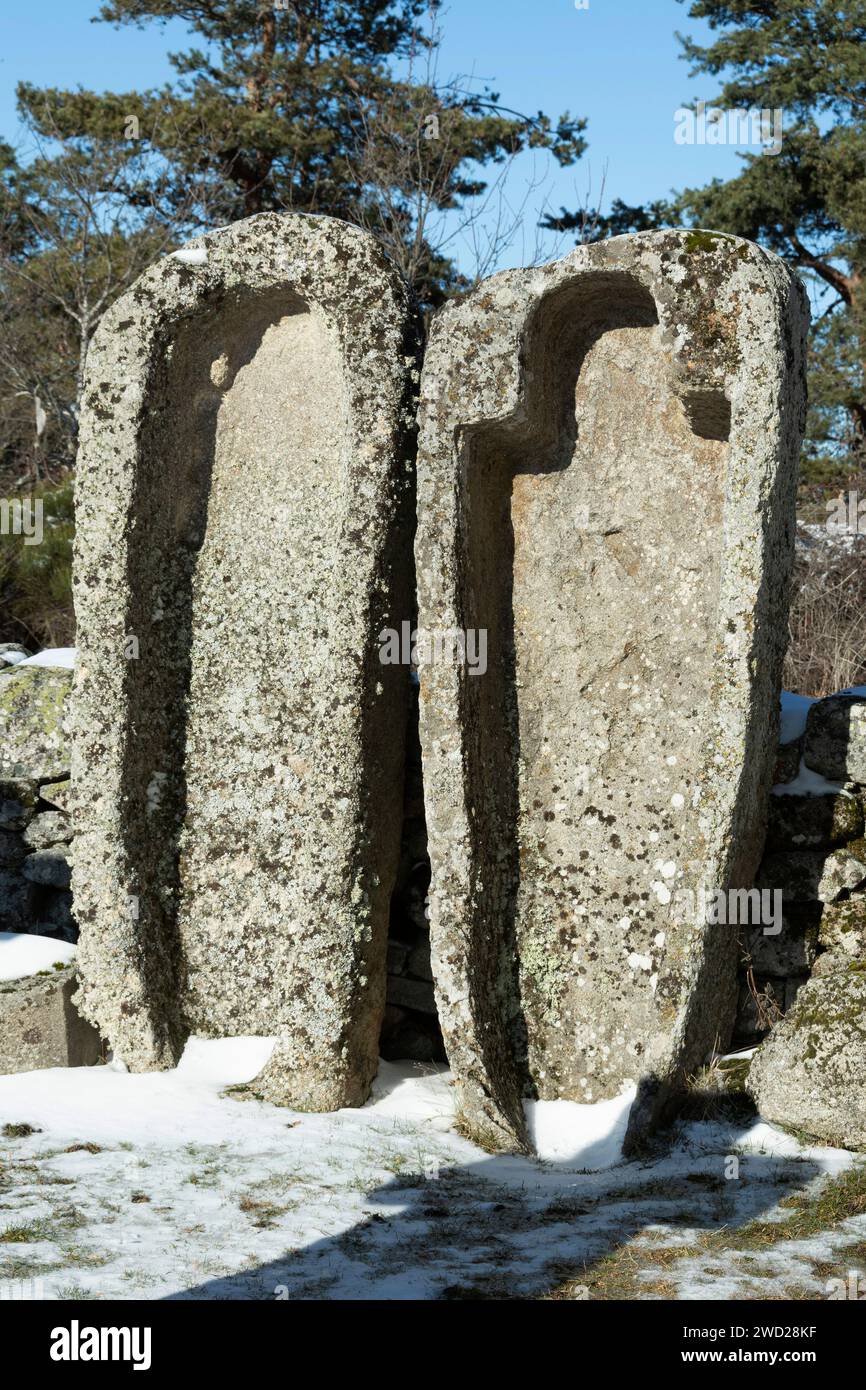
<point>606,478</point>
<point>244,532</point>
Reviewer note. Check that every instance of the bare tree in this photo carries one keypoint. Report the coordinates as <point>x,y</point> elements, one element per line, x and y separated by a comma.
<point>423,149</point>
<point>88,217</point>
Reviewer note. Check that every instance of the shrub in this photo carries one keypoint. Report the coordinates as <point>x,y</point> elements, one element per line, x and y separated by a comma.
<point>36,580</point>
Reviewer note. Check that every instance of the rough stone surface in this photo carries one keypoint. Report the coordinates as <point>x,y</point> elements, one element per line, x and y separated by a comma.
<point>17,803</point>
<point>835,742</point>
<point>12,849</point>
<point>411,994</point>
<point>33,736</point>
<point>47,828</point>
<point>792,952</point>
<point>842,928</point>
<point>807,821</point>
<point>58,794</point>
<point>809,1074</point>
<point>811,876</point>
<point>41,1027</point>
<point>48,867</point>
<point>244,500</point>
<point>16,902</point>
<point>606,482</point>
<point>787,763</point>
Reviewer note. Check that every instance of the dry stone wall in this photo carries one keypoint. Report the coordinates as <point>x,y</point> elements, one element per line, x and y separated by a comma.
<point>804,991</point>
<point>35,798</point>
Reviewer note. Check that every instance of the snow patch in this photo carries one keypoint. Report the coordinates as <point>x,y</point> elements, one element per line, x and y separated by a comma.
<point>795,711</point>
<point>190,255</point>
<point>63,657</point>
<point>23,954</point>
<point>224,1061</point>
<point>586,1137</point>
<point>403,1091</point>
<point>808,783</point>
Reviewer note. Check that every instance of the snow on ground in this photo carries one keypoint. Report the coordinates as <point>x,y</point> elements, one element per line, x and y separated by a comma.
<point>53,656</point>
<point>795,711</point>
<point>808,783</point>
<point>167,1185</point>
<point>23,954</point>
<point>579,1136</point>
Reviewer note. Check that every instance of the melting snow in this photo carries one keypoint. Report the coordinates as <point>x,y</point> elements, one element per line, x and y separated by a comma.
<point>23,954</point>
<point>188,1191</point>
<point>808,783</point>
<point>52,656</point>
<point>190,255</point>
<point>587,1137</point>
<point>795,711</point>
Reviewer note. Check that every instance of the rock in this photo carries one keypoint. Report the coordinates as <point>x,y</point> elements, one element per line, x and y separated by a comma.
<point>40,1026</point>
<point>811,876</point>
<point>12,849</point>
<point>589,502</point>
<point>801,822</point>
<point>419,961</point>
<point>843,927</point>
<point>10,655</point>
<point>809,1074</point>
<point>230,761</point>
<point>17,803</point>
<point>33,741</point>
<point>787,763</point>
<point>49,920</point>
<point>398,954</point>
<point>48,867</point>
<point>411,994</point>
<point>836,738</point>
<point>48,828</point>
<point>792,952</point>
<point>58,794</point>
<point>16,898</point>
<point>408,1036</point>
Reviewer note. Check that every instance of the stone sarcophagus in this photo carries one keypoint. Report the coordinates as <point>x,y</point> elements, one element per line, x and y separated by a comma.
<point>244,532</point>
<point>606,476</point>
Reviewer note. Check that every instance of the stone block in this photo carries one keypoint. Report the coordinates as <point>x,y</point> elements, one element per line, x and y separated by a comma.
<point>836,738</point>
<point>808,1074</point>
<point>41,1027</point>
<point>33,733</point>
<point>243,494</point>
<point>607,462</point>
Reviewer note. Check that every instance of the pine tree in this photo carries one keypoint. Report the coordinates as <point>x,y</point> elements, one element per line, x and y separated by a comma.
<point>807,59</point>
<point>275,109</point>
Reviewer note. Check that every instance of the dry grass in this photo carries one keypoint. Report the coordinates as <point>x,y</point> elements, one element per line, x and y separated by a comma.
<point>638,1269</point>
<point>827,628</point>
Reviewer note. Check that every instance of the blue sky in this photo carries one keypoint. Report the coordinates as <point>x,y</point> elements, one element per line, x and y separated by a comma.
<point>616,62</point>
